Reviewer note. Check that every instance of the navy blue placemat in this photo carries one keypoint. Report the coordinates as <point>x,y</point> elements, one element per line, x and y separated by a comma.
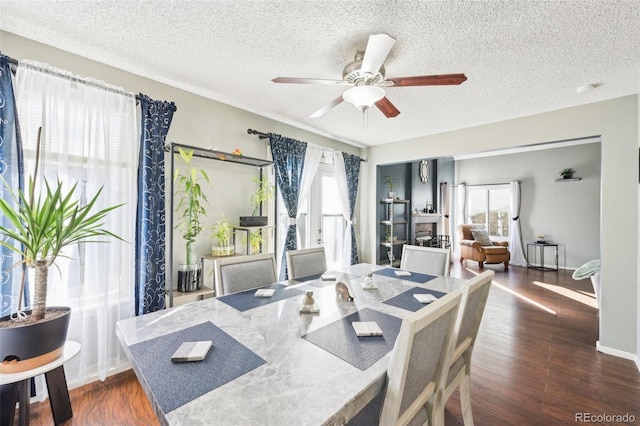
<point>308,278</point>
<point>340,338</point>
<point>317,281</point>
<point>175,384</point>
<point>405,300</point>
<point>246,300</point>
<point>415,276</point>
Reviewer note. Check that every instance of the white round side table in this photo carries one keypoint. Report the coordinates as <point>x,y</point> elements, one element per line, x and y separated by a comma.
<point>17,384</point>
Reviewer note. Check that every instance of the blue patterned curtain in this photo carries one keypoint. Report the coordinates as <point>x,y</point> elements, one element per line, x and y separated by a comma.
<point>288,154</point>
<point>150,221</point>
<point>352,170</point>
<point>12,171</point>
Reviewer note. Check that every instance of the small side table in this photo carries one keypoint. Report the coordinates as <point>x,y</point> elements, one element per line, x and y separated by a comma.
<point>539,248</point>
<point>18,384</point>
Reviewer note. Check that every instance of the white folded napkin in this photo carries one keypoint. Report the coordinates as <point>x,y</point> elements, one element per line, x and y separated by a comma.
<point>265,292</point>
<point>425,298</point>
<point>401,273</point>
<point>330,276</point>
<point>366,328</point>
<point>192,351</point>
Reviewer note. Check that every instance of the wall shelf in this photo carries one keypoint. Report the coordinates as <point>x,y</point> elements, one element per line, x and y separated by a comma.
<point>568,180</point>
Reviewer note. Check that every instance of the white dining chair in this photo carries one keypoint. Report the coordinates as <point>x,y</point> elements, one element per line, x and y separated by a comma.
<point>417,368</point>
<point>474,299</point>
<point>425,260</point>
<point>234,274</point>
<point>306,262</point>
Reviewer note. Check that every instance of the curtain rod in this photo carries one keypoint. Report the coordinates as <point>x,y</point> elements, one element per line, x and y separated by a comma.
<point>262,135</point>
<point>14,63</point>
<point>488,184</point>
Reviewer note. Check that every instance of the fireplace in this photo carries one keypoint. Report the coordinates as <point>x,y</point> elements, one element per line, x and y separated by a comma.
<point>426,230</point>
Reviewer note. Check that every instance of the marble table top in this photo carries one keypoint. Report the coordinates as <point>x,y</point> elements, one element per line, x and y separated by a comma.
<point>300,383</point>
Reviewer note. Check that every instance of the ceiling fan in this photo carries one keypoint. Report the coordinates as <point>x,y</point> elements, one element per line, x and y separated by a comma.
<point>366,75</point>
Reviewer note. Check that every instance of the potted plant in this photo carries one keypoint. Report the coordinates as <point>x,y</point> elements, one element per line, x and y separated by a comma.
<point>190,209</point>
<point>42,227</point>
<point>255,241</point>
<point>223,233</point>
<point>390,181</point>
<point>567,173</point>
<point>265,191</point>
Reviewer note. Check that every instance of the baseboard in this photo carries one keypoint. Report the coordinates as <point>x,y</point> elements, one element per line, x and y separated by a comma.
<point>637,360</point>
<point>617,352</point>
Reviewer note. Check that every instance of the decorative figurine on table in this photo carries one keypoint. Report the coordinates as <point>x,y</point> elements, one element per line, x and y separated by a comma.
<point>343,289</point>
<point>309,304</point>
<point>368,283</point>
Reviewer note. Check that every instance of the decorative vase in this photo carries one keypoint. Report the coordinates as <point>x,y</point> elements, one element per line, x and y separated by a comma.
<point>23,347</point>
<point>220,251</point>
<point>188,277</point>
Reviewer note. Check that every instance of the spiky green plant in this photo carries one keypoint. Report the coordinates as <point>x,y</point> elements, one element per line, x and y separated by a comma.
<point>44,226</point>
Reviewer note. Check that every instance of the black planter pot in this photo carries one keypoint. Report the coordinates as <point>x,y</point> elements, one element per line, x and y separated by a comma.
<point>33,340</point>
<point>254,220</point>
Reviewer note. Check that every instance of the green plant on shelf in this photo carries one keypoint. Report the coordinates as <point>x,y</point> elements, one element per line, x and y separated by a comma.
<point>390,181</point>
<point>567,173</point>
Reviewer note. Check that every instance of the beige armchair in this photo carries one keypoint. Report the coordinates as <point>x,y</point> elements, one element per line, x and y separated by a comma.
<point>471,249</point>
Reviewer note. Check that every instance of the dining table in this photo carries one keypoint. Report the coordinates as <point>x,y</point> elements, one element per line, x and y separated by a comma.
<point>270,362</point>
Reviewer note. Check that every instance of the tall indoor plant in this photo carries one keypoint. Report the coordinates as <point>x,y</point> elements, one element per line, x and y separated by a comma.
<point>41,228</point>
<point>191,209</point>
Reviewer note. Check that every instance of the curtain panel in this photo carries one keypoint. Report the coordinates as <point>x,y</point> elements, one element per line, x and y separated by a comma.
<point>352,172</point>
<point>12,172</point>
<point>460,215</point>
<point>288,155</point>
<point>515,240</point>
<point>150,216</point>
<point>89,137</point>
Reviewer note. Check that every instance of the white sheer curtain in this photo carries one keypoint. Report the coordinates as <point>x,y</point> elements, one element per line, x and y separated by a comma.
<point>515,238</point>
<point>89,136</point>
<point>445,208</point>
<point>343,193</point>
<point>312,157</point>
<point>460,214</point>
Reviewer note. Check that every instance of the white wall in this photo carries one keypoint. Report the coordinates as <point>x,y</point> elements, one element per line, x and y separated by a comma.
<point>616,122</point>
<point>566,213</point>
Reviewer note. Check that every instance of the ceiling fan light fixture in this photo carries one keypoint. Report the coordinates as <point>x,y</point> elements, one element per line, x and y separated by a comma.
<point>363,96</point>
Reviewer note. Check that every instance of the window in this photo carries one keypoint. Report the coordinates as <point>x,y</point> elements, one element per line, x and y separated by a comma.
<point>489,206</point>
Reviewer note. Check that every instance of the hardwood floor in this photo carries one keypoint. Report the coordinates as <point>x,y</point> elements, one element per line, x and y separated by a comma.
<point>534,363</point>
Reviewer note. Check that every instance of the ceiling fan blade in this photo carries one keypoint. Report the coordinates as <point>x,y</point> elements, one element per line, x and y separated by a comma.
<point>387,108</point>
<point>322,111</point>
<point>378,48</point>
<point>428,80</point>
<point>309,81</point>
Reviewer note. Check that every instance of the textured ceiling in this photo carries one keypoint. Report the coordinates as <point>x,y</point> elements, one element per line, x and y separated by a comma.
<point>521,57</point>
